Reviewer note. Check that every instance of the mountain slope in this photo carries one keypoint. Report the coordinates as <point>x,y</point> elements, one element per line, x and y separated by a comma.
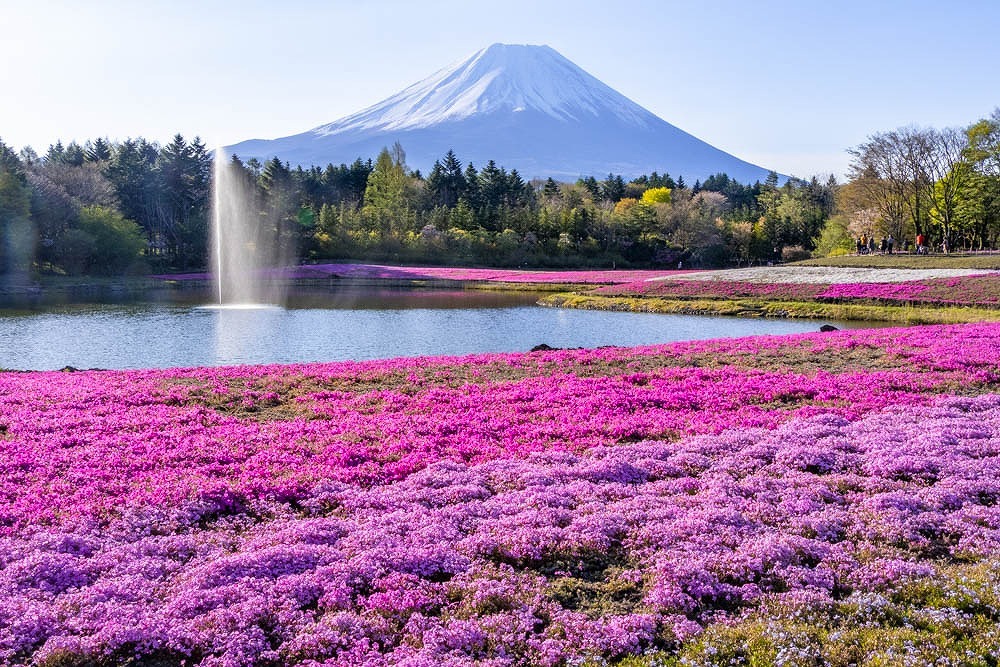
<point>526,107</point>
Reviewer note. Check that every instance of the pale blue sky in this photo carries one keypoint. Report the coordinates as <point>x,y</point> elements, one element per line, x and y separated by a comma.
<point>787,85</point>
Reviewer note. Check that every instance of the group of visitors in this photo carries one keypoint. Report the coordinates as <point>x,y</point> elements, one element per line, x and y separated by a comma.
<point>866,245</point>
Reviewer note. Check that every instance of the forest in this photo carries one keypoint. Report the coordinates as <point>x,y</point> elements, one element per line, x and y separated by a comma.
<point>131,207</point>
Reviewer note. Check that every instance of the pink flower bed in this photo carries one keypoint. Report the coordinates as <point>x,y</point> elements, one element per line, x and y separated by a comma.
<point>964,291</point>
<point>496,509</point>
<point>983,290</point>
<point>382,272</point>
<point>714,289</point>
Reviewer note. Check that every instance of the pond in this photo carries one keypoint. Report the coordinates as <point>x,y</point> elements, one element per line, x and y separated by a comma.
<point>333,325</point>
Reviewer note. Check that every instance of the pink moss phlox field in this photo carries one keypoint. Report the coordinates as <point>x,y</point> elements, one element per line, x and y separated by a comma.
<point>81,446</point>
<point>980,290</point>
<point>714,289</point>
<point>506,560</point>
<point>495,509</point>
<point>385,272</point>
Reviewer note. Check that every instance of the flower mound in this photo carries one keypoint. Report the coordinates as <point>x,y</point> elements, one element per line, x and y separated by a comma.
<point>499,509</point>
<point>977,290</point>
<point>387,272</point>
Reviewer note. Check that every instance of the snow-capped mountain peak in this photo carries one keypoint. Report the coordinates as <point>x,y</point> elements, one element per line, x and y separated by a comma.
<point>502,78</point>
<point>525,107</point>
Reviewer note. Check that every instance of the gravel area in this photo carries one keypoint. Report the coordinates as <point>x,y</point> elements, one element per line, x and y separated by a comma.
<point>832,275</point>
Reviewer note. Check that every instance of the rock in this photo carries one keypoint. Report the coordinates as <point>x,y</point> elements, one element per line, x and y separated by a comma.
<point>827,328</point>
<point>544,348</point>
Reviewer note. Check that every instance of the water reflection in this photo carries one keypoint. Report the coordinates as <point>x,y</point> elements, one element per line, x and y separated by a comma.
<point>330,326</point>
<point>238,332</point>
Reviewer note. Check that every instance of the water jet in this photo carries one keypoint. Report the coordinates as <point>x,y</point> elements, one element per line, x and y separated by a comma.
<point>249,259</point>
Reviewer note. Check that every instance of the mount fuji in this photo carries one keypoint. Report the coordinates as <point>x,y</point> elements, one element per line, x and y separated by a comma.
<point>526,107</point>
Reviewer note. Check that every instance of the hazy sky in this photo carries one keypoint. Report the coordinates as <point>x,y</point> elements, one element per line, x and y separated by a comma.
<point>787,85</point>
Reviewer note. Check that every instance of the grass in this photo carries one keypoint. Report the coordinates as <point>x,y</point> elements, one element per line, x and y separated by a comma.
<point>907,261</point>
<point>768,308</point>
<point>949,619</point>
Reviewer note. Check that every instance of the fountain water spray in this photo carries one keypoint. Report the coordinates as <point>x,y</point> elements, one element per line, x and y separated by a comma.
<point>248,255</point>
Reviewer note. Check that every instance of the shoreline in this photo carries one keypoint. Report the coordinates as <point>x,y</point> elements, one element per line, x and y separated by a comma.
<point>764,308</point>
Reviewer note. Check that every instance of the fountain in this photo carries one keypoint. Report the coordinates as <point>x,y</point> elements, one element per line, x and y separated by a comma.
<point>248,255</point>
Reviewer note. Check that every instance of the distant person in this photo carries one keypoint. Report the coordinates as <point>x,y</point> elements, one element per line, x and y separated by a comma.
<point>883,245</point>
<point>921,248</point>
<point>857,245</point>
<point>889,242</point>
<point>864,244</point>
<point>871,245</point>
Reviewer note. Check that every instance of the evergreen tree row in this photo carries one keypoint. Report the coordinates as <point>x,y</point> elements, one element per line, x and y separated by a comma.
<point>63,211</point>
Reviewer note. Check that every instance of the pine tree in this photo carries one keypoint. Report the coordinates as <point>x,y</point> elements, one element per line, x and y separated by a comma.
<point>97,151</point>
<point>517,189</point>
<point>591,185</point>
<point>613,188</point>
<point>493,188</point>
<point>357,180</point>
<point>437,188</point>
<point>132,172</point>
<point>55,153</point>
<point>472,193</point>
<point>551,189</point>
<point>74,154</point>
<point>455,184</point>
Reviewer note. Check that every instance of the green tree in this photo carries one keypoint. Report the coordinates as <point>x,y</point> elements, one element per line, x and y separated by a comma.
<point>835,239</point>
<point>472,191</point>
<point>462,217</point>
<point>98,150</point>
<point>978,205</point>
<point>16,235</point>
<point>591,185</point>
<point>551,190</point>
<point>494,189</point>
<point>387,195</point>
<point>185,172</point>
<point>612,188</point>
<point>56,152</point>
<point>133,174</point>
<point>446,184</point>
<point>117,243</point>
<point>950,172</point>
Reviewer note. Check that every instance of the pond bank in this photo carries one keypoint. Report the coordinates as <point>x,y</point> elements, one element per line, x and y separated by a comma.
<point>900,296</point>
<point>774,309</point>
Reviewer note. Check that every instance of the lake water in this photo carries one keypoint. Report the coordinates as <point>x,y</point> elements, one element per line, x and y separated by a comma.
<point>337,325</point>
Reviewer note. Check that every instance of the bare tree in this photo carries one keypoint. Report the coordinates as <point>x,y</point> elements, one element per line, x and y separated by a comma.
<point>898,171</point>
<point>877,170</point>
<point>948,171</point>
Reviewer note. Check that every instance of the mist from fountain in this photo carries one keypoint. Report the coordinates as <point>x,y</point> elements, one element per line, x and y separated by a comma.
<point>248,255</point>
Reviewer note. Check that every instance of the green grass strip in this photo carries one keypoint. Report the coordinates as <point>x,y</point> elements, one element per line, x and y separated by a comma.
<point>784,309</point>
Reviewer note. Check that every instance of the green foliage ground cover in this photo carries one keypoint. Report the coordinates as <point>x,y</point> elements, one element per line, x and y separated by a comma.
<point>769,308</point>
